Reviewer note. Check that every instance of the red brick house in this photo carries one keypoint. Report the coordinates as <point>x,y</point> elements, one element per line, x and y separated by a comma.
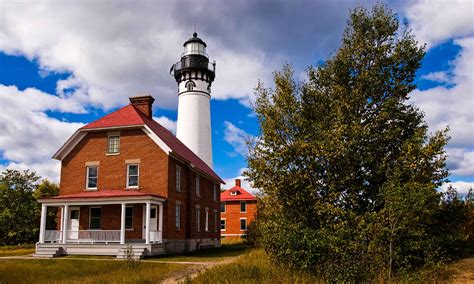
<point>125,179</point>
<point>238,209</point>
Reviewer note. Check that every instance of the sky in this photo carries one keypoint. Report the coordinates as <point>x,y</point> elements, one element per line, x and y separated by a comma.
<point>66,63</point>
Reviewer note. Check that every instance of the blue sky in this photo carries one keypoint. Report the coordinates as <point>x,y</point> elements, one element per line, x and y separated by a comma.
<point>63,65</point>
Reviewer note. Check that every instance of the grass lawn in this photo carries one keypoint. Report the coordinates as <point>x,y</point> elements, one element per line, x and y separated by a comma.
<point>227,249</point>
<point>16,250</point>
<point>253,267</point>
<point>82,271</point>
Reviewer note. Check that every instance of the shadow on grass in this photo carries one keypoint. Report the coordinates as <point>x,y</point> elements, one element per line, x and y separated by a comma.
<point>226,250</point>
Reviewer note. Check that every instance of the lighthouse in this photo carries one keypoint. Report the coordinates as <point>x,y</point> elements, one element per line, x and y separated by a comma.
<point>194,75</point>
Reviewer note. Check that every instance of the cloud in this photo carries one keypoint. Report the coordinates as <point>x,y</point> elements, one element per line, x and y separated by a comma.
<point>28,136</point>
<point>439,76</point>
<point>436,21</point>
<point>237,138</point>
<point>167,123</point>
<point>114,50</point>
<point>245,183</point>
<point>453,106</point>
<point>462,187</point>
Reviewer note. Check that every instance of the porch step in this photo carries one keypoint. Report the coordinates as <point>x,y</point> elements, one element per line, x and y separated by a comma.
<point>48,252</point>
<point>138,252</point>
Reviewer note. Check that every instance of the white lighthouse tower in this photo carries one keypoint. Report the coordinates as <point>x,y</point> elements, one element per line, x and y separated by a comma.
<point>194,75</point>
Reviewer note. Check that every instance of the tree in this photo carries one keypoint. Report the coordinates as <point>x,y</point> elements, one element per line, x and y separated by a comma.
<point>19,218</point>
<point>48,189</point>
<point>347,169</point>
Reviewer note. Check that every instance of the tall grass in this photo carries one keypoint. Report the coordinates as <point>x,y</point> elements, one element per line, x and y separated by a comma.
<point>253,267</point>
<point>16,250</point>
<point>82,271</point>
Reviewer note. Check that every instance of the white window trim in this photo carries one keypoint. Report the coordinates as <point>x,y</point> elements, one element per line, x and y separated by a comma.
<point>198,185</point>
<point>87,178</point>
<point>225,224</point>
<point>115,134</point>
<point>240,224</point>
<point>241,207</point>
<point>90,217</point>
<point>178,178</point>
<point>138,176</point>
<point>206,227</point>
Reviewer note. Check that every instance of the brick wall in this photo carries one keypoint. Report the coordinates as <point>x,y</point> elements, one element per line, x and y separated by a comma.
<point>232,216</point>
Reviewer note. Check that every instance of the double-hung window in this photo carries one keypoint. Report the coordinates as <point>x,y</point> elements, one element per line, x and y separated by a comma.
<point>92,177</point>
<point>178,178</point>
<point>243,206</point>
<point>129,217</point>
<point>198,219</point>
<point>132,175</point>
<point>222,224</point>
<point>113,144</point>
<point>243,224</point>
<point>95,216</point>
<point>178,216</point>
<point>206,227</point>
<point>214,192</point>
<point>198,186</point>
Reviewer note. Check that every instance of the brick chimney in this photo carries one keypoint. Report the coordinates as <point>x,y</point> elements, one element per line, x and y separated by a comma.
<point>237,182</point>
<point>144,104</point>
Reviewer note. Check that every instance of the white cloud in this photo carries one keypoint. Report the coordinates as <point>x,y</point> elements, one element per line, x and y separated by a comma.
<point>462,187</point>
<point>115,50</point>
<point>237,138</point>
<point>439,76</point>
<point>454,106</point>
<point>245,183</point>
<point>28,137</point>
<point>435,21</point>
<point>167,123</point>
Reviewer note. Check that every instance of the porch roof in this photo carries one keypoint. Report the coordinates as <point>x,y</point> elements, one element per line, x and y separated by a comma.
<point>104,195</point>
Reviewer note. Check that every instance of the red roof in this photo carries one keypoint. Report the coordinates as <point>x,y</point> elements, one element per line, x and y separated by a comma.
<point>103,193</point>
<point>126,116</point>
<point>129,116</point>
<point>242,194</point>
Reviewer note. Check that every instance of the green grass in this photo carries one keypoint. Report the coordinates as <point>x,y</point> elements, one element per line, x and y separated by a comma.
<point>16,250</point>
<point>227,249</point>
<point>82,271</point>
<point>253,267</point>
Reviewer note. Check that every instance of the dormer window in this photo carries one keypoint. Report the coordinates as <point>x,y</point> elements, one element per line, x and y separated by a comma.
<point>113,144</point>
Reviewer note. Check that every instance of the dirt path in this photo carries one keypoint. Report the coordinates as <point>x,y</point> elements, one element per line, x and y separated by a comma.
<point>194,270</point>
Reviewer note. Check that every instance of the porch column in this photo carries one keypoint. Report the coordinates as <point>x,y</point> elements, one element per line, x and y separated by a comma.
<point>61,226</point>
<point>64,220</point>
<point>160,220</point>
<point>44,211</point>
<point>147,224</point>
<point>122,225</point>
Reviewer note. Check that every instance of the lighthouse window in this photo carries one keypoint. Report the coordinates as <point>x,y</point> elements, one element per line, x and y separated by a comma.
<point>190,85</point>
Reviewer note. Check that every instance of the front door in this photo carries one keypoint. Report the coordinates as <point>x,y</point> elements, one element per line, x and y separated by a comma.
<point>73,224</point>
<point>153,222</point>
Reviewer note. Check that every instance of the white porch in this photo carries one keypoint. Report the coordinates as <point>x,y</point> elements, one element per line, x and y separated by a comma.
<point>70,233</point>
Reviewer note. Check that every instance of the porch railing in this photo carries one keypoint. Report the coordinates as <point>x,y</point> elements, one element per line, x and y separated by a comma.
<point>155,236</point>
<point>52,236</point>
<point>92,236</point>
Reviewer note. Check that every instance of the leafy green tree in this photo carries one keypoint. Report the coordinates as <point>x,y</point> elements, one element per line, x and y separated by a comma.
<point>19,218</point>
<point>347,169</point>
<point>48,189</point>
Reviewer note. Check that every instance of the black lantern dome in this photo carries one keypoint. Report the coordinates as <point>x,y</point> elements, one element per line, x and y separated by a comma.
<point>194,58</point>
